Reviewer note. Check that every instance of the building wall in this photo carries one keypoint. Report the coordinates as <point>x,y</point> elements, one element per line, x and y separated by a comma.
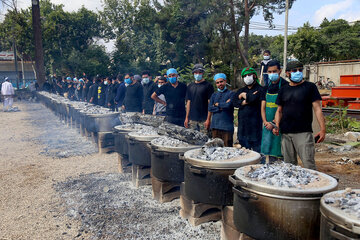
<point>333,71</point>
<point>7,69</point>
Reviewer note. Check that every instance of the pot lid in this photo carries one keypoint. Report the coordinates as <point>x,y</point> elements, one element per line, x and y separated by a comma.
<point>103,115</point>
<point>128,127</point>
<point>169,148</point>
<point>321,183</point>
<point>250,157</point>
<point>331,206</point>
<point>141,137</point>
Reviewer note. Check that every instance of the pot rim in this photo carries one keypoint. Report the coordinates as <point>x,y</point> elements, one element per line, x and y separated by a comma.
<point>251,158</point>
<point>345,220</point>
<point>162,148</point>
<point>282,191</point>
<point>142,138</point>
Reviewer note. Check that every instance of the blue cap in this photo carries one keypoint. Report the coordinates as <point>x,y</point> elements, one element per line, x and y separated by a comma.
<point>219,75</point>
<point>81,80</point>
<point>171,70</point>
<point>68,78</point>
<point>75,79</point>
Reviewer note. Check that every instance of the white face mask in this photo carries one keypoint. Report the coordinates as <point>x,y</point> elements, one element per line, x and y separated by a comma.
<point>248,80</point>
<point>266,57</point>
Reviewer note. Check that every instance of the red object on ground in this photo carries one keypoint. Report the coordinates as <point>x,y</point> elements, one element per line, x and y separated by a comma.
<point>350,79</point>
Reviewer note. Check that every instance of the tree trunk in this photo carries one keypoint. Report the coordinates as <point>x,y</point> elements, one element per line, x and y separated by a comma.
<point>236,34</point>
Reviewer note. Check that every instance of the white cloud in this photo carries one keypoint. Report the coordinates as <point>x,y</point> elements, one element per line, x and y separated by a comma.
<point>329,11</point>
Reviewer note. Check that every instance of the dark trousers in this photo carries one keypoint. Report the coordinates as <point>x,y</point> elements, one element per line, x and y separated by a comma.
<point>226,136</point>
<point>175,120</point>
<point>252,145</point>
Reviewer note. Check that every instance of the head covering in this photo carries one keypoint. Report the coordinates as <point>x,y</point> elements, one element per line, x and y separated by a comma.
<point>81,80</point>
<point>170,71</point>
<point>293,64</point>
<point>219,75</point>
<point>75,79</point>
<point>247,71</point>
<point>6,79</point>
<point>68,78</point>
<point>198,67</point>
<point>137,77</point>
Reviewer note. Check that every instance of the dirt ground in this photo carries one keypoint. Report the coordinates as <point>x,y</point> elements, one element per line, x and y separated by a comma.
<point>49,174</point>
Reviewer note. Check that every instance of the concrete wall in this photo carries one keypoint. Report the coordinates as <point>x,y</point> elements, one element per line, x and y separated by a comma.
<point>7,69</point>
<point>331,70</point>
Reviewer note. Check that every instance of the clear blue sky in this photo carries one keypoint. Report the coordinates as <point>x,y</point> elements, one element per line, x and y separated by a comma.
<point>313,11</point>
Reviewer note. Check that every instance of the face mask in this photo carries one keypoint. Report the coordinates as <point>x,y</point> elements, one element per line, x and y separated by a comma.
<point>249,80</point>
<point>159,86</point>
<point>273,77</point>
<point>198,77</point>
<point>219,90</point>
<point>296,76</point>
<point>145,80</point>
<point>106,83</point>
<point>126,84</point>
<point>266,57</point>
<point>128,80</point>
<point>172,80</point>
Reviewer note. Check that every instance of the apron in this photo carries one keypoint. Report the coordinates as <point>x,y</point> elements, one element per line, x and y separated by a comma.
<point>271,144</point>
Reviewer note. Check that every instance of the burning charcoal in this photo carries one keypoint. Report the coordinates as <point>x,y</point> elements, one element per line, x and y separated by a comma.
<point>147,131</point>
<point>184,134</point>
<point>218,153</point>
<point>169,142</point>
<point>348,201</point>
<point>329,200</point>
<point>216,142</point>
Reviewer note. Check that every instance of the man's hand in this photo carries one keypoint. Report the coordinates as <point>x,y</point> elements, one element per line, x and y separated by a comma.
<point>268,126</point>
<point>321,136</point>
<point>123,107</point>
<point>216,104</point>
<point>109,104</point>
<point>207,124</point>
<point>242,95</point>
<point>275,131</point>
<point>143,111</point>
<point>186,123</point>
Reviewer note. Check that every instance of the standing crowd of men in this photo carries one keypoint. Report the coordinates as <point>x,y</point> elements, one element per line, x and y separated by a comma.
<point>275,119</point>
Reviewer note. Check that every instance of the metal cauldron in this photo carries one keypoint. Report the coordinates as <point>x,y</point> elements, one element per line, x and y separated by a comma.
<point>139,151</point>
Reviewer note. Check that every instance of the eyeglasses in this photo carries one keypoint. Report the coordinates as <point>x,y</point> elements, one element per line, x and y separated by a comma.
<point>297,70</point>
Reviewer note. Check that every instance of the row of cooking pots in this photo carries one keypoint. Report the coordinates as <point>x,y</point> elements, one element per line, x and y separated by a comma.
<point>260,212</point>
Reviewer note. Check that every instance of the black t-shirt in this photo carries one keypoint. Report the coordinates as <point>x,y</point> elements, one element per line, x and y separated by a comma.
<point>296,101</point>
<point>148,102</point>
<point>133,98</point>
<point>175,99</point>
<point>199,95</point>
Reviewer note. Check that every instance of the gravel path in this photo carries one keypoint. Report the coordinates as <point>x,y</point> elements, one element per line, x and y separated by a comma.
<point>54,186</point>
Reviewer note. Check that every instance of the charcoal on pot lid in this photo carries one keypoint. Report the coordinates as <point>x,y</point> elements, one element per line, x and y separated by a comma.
<point>280,175</point>
<point>184,134</point>
<point>347,201</point>
<point>169,142</point>
<point>218,153</point>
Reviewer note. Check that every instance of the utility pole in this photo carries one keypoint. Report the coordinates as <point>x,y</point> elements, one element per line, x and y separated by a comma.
<point>285,36</point>
<point>39,53</point>
<point>16,66</point>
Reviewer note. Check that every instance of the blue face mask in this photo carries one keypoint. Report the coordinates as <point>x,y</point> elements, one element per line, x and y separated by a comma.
<point>172,80</point>
<point>296,76</point>
<point>128,80</point>
<point>273,77</point>
<point>145,80</point>
<point>198,77</point>
<point>159,86</point>
<point>219,90</point>
<point>106,83</point>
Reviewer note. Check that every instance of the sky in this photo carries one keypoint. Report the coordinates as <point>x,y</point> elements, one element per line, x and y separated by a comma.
<point>302,11</point>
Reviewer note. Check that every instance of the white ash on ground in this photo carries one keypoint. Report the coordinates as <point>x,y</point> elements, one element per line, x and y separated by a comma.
<point>111,208</point>
<point>347,200</point>
<point>219,153</point>
<point>280,175</point>
<point>59,140</point>
<point>169,142</point>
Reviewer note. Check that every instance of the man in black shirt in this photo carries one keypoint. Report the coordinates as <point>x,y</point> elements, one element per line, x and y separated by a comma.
<point>102,91</point>
<point>93,91</point>
<point>294,118</point>
<point>134,94</point>
<point>174,92</point>
<point>149,88</point>
<point>248,100</point>
<point>198,94</point>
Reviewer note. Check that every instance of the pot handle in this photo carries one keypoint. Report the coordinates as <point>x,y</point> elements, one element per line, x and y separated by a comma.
<point>340,236</point>
<point>148,145</point>
<point>181,156</point>
<point>244,195</point>
<point>237,182</point>
<point>197,171</point>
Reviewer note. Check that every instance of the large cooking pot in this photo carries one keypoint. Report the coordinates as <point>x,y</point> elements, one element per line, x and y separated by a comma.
<point>120,141</point>
<point>165,162</point>
<point>207,181</point>
<point>337,224</point>
<point>139,152</point>
<point>267,212</point>
<point>102,122</point>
